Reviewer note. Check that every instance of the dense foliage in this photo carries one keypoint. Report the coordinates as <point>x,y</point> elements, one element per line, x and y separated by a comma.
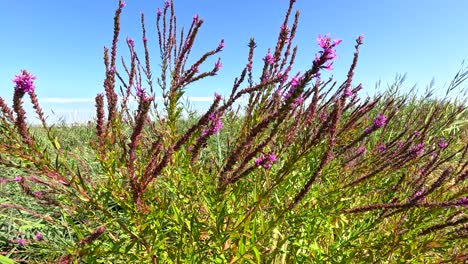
<point>307,172</point>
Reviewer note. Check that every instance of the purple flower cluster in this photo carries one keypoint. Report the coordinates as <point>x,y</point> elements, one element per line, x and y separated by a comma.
<point>218,65</point>
<point>348,92</point>
<point>381,148</point>
<point>221,44</point>
<point>417,149</point>
<point>380,121</point>
<point>328,53</point>
<point>131,42</point>
<point>266,160</point>
<point>167,4</point>
<point>269,58</point>
<point>463,201</point>
<point>24,82</point>
<point>215,125</point>
<point>295,81</point>
<point>442,143</point>
<point>140,91</point>
<point>39,236</point>
<point>361,150</point>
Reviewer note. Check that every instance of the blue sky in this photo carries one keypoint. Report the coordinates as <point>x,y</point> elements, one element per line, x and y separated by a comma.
<point>61,42</point>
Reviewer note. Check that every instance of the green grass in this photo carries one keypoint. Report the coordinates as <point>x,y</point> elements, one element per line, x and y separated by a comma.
<point>196,223</point>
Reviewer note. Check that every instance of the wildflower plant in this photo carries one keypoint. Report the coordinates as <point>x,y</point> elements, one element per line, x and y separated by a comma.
<point>307,173</point>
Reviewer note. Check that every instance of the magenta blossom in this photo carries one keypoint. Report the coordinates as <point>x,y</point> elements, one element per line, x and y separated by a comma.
<point>131,42</point>
<point>442,143</point>
<point>463,201</point>
<point>328,53</point>
<point>39,236</point>
<point>158,12</point>
<point>140,91</point>
<point>24,82</point>
<point>195,18</point>
<point>417,149</point>
<point>359,39</point>
<point>361,150</point>
<point>167,4</point>
<point>296,80</point>
<point>266,160</point>
<point>269,58</point>
<point>348,92</point>
<point>122,4</point>
<point>324,41</point>
<point>328,66</point>
<point>215,125</point>
<point>21,242</point>
<point>380,121</point>
<point>381,148</point>
<point>218,65</point>
<point>298,101</point>
<point>220,46</point>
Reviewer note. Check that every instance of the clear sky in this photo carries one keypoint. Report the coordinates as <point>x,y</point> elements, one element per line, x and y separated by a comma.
<point>61,42</point>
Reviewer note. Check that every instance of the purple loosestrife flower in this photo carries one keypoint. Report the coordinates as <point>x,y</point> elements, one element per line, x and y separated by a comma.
<point>140,92</point>
<point>442,143</point>
<point>131,42</point>
<point>167,4</point>
<point>215,125</point>
<point>323,116</point>
<point>195,18</point>
<point>220,46</point>
<point>295,81</point>
<point>298,101</point>
<point>158,12</point>
<point>359,39</point>
<point>380,121</point>
<point>122,4</point>
<point>328,53</point>
<point>266,160</point>
<point>361,150</point>
<point>24,82</point>
<point>218,65</point>
<point>381,148</point>
<point>324,41</point>
<point>39,236</point>
<point>463,201</point>
<point>269,58</point>
<point>417,149</point>
<point>18,179</point>
<point>348,92</point>
<point>21,242</point>
<point>265,77</point>
<point>337,42</point>
<point>328,66</point>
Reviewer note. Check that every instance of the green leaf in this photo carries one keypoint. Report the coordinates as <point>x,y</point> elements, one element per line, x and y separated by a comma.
<point>56,143</point>
<point>6,260</point>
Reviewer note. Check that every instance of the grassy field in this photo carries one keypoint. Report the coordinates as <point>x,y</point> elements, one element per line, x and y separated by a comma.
<point>192,220</point>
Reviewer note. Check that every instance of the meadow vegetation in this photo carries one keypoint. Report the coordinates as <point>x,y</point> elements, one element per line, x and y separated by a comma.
<point>308,172</point>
